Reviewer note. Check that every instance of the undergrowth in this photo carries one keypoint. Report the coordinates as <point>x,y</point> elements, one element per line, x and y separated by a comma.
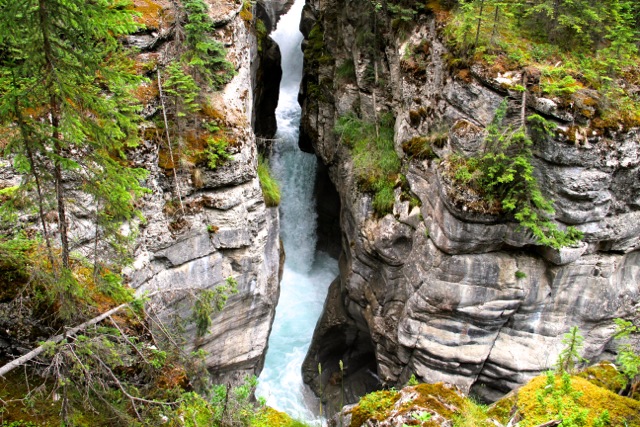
<point>375,162</point>
<point>504,175</point>
<point>576,46</point>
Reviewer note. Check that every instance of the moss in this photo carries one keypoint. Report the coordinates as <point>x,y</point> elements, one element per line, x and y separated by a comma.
<point>376,405</point>
<point>146,92</point>
<point>604,375</point>
<point>151,13</point>
<point>421,147</point>
<point>269,417</point>
<point>415,118</point>
<point>590,397</point>
<point>503,409</point>
<point>439,397</point>
<point>245,12</point>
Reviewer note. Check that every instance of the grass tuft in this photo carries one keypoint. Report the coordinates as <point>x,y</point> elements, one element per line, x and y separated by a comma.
<point>270,187</point>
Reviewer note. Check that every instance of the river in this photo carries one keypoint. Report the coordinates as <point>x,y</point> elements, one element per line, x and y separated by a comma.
<point>307,273</point>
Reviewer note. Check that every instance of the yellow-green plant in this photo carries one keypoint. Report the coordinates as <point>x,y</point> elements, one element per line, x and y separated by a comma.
<point>269,185</point>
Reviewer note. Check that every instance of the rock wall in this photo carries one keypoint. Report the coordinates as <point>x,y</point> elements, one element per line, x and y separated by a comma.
<point>432,290</point>
<point>227,230</point>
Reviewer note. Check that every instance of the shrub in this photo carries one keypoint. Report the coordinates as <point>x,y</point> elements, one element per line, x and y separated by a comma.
<point>269,185</point>
<point>505,174</point>
<point>216,152</point>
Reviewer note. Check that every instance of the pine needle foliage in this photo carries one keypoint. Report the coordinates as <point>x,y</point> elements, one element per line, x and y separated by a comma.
<point>66,102</point>
<point>505,173</point>
<point>204,54</point>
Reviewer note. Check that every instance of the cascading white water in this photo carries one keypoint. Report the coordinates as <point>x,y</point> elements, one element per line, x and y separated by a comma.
<point>307,273</point>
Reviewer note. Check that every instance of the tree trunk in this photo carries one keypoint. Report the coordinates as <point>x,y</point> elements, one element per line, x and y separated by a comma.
<point>475,44</point>
<point>54,108</point>
<point>34,171</point>
<point>494,31</point>
<point>57,176</point>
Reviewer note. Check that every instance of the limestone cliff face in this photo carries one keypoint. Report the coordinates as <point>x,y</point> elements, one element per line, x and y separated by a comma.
<point>227,230</point>
<point>432,290</point>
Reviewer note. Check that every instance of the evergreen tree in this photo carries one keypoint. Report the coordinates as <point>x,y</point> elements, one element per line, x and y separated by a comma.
<point>65,101</point>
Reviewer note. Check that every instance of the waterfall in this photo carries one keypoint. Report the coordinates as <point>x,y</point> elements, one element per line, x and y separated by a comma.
<point>307,273</point>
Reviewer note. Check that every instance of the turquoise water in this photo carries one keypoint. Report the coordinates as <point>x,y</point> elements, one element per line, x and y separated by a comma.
<point>307,273</point>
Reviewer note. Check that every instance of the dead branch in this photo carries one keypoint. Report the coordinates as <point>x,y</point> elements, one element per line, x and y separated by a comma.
<point>58,338</point>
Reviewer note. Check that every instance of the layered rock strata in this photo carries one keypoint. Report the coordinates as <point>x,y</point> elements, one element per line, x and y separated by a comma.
<point>437,289</point>
<point>227,231</point>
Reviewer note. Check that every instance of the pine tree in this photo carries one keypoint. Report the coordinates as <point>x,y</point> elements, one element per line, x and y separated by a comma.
<point>65,86</point>
<point>570,357</point>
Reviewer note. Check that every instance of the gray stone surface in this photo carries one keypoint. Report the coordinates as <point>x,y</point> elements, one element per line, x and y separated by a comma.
<point>227,232</point>
<point>440,290</point>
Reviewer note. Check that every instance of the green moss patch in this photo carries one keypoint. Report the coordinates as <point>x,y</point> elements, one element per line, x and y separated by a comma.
<point>376,405</point>
<point>604,375</point>
<point>576,401</point>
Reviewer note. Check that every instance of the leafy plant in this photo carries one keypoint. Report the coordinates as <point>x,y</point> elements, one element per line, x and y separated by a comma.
<point>211,301</point>
<point>216,152</point>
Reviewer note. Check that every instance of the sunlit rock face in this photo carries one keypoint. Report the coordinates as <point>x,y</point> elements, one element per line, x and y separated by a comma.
<point>437,289</point>
<point>227,231</point>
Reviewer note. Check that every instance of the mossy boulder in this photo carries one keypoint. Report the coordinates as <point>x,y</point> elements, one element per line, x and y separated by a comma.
<point>426,405</point>
<point>549,397</point>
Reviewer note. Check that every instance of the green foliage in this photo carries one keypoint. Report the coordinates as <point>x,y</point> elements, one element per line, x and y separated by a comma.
<point>566,86</point>
<point>520,274</point>
<point>211,301</point>
<point>15,260</point>
<point>575,43</point>
<point>505,174</point>
<point>182,89</point>
<point>347,70</point>
<point>472,414</point>
<point>628,357</point>
<point>216,152</point>
<point>66,89</point>
<point>376,165</point>
<point>569,357</point>
<point>413,380</point>
<point>205,55</point>
<point>269,185</point>
<point>18,424</point>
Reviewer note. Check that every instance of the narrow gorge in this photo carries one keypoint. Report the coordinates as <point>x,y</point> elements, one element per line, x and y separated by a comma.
<point>388,253</point>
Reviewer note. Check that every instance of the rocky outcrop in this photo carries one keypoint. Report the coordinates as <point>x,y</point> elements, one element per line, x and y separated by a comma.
<point>437,289</point>
<point>227,231</point>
